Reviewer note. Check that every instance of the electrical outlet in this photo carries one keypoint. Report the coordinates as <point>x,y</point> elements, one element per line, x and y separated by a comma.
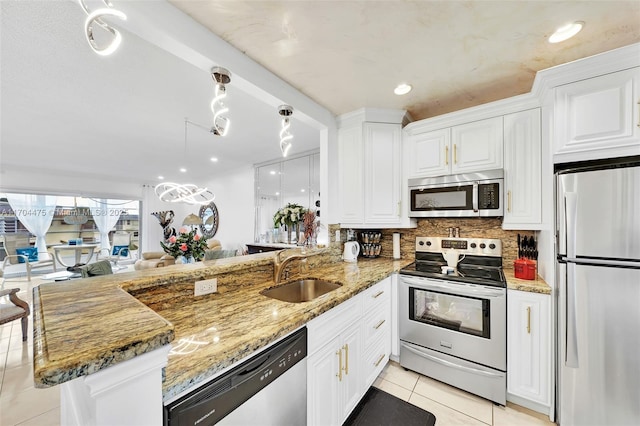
<point>205,287</point>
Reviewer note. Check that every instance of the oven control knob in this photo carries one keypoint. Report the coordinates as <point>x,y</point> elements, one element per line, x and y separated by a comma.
<point>428,243</point>
<point>492,246</point>
<point>473,245</point>
<point>483,246</point>
<point>421,243</point>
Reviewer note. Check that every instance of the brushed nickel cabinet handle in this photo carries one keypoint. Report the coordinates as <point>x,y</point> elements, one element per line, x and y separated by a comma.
<point>375,296</point>
<point>346,358</point>
<point>377,363</point>
<point>509,201</point>
<point>639,114</point>
<point>446,155</point>
<point>379,324</point>
<point>339,374</point>
<point>528,319</point>
<point>455,154</point>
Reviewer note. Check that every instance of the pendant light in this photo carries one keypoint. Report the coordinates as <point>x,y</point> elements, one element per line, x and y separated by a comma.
<point>95,17</point>
<point>75,217</point>
<point>286,137</point>
<point>221,122</point>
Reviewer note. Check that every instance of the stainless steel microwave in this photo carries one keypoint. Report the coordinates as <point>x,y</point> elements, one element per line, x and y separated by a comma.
<point>464,195</point>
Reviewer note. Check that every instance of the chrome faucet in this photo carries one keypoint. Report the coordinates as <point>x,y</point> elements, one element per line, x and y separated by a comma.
<point>279,264</point>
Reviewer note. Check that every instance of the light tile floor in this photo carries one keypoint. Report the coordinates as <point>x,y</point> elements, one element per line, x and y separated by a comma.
<point>22,404</point>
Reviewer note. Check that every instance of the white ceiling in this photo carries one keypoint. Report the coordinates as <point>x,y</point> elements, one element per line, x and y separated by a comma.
<point>63,107</point>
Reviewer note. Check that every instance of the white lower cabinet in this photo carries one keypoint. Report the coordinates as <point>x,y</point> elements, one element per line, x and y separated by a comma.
<point>348,347</point>
<point>528,350</point>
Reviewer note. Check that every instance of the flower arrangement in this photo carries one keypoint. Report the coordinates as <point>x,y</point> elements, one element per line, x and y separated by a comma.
<point>186,243</point>
<point>289,215</point>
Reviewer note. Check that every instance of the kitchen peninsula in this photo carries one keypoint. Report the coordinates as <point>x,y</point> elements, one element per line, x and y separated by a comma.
<point>95,325</point>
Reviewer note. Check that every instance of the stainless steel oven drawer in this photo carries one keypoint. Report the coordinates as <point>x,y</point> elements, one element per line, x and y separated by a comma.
<point>477,379</point>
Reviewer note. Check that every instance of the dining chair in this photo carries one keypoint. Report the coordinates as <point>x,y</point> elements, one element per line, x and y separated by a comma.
<point>18,250</point>
<point>17,309</point>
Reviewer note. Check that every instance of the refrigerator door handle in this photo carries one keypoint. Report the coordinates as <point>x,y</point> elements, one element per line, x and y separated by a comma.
<point>571,218</point>
<point>571,359</point>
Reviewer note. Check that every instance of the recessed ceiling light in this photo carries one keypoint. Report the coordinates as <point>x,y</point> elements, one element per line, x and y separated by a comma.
<point>183,170</point>
<point>160,177</point>
<point>214,159</point>
<point>566,32</point>
<point>402,89</point>
<point>272,172</point>
<point>277,193</point>
<point>302,190</point>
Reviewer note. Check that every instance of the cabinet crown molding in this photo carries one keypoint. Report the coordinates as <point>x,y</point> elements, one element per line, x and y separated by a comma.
<point>373,115</point>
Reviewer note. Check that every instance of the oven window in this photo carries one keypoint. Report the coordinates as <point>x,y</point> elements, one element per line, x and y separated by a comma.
<point>452,198</point>
<point>464,314</point>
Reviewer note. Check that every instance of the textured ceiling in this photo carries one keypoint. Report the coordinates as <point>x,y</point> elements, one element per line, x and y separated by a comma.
<point>351,54</point>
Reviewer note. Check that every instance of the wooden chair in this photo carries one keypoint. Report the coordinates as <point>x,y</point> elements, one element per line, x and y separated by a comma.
<point>18,309</point>
<point>20,240</point>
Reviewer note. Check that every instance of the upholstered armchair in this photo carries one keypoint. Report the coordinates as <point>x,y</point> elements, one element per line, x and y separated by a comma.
<point>19,250</point>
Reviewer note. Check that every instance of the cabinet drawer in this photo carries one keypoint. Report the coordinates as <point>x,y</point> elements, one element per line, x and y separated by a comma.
<point>376,323</point>
<point>325,327</point>
<point>377,295</point>
<point>376,357</point>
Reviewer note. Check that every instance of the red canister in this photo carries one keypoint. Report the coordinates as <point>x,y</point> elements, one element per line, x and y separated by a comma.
<point>525,269</point>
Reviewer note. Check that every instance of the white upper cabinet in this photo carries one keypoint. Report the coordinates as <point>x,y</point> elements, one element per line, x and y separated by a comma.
<point>522,170</point>
<point>477,146</point>
<point>428,153</point>
<point>470,147</point>
<point>598,117</point>
<point>370,171</point>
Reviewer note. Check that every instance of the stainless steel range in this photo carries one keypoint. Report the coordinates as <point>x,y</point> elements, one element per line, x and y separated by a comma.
<point>453,322</point>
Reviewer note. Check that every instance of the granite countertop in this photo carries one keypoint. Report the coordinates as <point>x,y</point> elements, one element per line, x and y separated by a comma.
<point>83,326</point>
<point>532,286</point>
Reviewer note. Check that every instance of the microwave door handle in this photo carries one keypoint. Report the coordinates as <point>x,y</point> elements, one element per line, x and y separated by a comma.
<point>475,197</point>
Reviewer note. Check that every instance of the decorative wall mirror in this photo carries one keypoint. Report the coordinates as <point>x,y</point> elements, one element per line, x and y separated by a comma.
<point>209,215</point>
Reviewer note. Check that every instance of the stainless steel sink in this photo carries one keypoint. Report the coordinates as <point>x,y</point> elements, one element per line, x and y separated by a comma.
<point>301,290</point>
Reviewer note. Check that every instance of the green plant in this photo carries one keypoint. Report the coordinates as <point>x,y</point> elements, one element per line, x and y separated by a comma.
<point>288,215</point>
<point>186,243</point>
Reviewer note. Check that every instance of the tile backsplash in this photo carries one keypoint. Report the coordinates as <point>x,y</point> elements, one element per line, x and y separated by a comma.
<point>438,227</point>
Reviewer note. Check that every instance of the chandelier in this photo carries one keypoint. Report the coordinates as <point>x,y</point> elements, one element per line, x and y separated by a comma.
<point>285,136</point>
<point>221,122</point>
<point>95,17</point>
<point>189,193</point>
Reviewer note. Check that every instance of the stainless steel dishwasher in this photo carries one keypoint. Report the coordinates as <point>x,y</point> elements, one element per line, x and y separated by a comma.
<point>270,388</point>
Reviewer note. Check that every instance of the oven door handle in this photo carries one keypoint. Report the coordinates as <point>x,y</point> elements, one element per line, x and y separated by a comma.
<point>474,197</point>
<point>461,289</point>
<point>451,364</point>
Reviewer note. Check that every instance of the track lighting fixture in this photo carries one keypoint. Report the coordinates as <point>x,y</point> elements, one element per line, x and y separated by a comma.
<point>221,122</point>
<point>285,136</point>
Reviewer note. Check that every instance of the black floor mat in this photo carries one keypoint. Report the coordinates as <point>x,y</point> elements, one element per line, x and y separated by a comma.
<point>379,408</point>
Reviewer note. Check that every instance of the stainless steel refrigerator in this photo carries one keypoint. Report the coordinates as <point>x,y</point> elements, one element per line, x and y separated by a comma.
<point>598,293</point>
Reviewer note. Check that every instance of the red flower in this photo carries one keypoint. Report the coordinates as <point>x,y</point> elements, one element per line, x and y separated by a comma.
<point>184,247</point>
<point>183,230</point>
<point>196,237</point>
<point>172,239</point>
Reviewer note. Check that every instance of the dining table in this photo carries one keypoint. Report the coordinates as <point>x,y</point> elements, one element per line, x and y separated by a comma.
<point>77,249</point>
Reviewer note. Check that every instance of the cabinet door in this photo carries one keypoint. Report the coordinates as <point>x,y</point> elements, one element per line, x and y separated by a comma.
<point>522,168</point>
<point>352,383</point>
<point>382,162</point>
<point>428,154</point>
<point>599,113</point>
<point>528,357</point>
<point>477,146</point>
<point>324,403</point>
<point>350,175</point>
